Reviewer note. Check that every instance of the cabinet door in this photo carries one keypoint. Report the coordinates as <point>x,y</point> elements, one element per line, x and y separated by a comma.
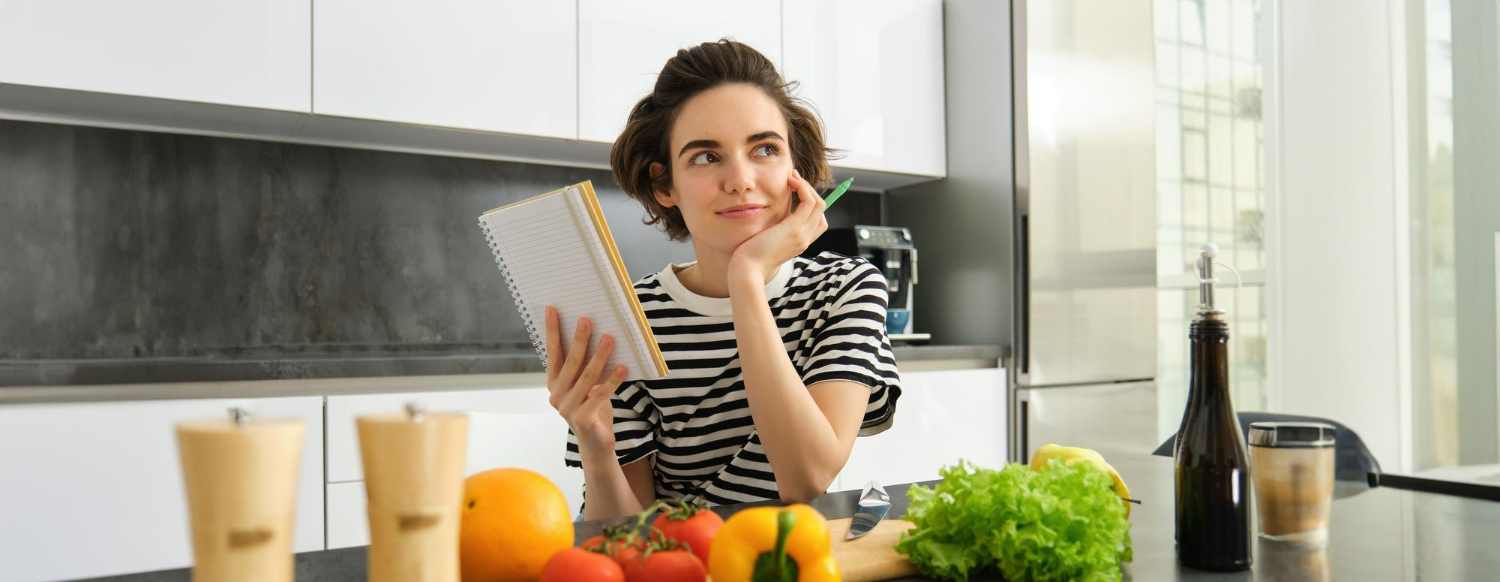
<point>623,45</point>
<point>231,52</point>
<point>96,489</point>
<point>508,427</point>
<point>492,65</point>
<point>941,417</point>
<point>348,524</point>
<point>874,69</point>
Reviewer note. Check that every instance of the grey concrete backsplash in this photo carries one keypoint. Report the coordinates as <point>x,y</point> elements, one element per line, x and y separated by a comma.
<point>129,244</point>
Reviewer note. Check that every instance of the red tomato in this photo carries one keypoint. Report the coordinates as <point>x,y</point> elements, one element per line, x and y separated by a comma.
<point>574,564</point>
<point>592,543</point>
<point>697,531</point>
<point>623,554</point>
<point>667,566</point>
<point>628,555</point>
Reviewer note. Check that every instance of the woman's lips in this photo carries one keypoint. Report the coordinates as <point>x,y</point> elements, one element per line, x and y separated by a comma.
<point>739,213</point>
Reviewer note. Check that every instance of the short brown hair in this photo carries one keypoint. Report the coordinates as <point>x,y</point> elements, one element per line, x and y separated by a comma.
<point>648,130</point>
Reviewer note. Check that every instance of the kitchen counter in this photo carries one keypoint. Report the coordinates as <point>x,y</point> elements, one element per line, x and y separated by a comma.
<point>1376,534</point>
<point>280,363</point>
<point>337,370</point>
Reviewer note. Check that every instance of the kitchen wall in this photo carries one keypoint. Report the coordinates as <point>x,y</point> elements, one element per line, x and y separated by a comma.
<point>962,224</point>
<point>128,244</point>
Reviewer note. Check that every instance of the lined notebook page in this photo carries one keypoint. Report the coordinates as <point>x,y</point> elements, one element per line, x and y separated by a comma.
<point>555,257</point>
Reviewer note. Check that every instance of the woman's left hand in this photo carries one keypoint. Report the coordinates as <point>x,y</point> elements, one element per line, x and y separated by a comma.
<point>764,252</point>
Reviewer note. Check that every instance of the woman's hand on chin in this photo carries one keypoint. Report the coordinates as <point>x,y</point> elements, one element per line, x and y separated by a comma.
<point>759,256</point>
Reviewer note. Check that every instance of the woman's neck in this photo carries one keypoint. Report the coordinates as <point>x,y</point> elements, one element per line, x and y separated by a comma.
<point>709,277</point>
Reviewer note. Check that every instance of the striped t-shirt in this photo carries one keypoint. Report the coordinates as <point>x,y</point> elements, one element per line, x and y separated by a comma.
<point>830,311</point>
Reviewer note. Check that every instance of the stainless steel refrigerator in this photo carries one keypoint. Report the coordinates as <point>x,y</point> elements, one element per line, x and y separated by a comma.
<point>1085,325</point>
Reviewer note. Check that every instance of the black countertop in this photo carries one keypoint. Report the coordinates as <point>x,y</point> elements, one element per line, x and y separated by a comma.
<point>1376,534</point>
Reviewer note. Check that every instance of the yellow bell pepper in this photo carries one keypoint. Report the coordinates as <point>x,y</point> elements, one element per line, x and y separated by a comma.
<point>773,544</point>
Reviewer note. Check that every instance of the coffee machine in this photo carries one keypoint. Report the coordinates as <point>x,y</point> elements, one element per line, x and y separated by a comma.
<point>891,250</point>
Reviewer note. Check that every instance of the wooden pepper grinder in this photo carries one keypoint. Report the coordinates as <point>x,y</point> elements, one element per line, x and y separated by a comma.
<point>241,481</point>
<point>414,470</point>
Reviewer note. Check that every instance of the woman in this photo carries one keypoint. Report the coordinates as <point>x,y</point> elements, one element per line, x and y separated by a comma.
<point>777,362</point>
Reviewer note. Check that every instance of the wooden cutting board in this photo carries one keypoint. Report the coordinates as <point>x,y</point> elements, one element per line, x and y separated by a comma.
<point>872,557</point>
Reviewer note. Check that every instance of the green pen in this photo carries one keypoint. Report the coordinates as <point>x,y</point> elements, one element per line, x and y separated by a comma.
<point>839,191</point>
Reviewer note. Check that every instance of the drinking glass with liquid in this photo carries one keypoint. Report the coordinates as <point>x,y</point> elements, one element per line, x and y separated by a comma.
<point>1292,464</point>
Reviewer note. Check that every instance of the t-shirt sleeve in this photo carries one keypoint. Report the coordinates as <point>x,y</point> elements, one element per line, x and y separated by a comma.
<point>634,417</point>
<point>851,345</point>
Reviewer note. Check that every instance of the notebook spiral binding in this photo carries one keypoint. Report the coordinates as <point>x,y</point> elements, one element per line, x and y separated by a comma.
<point>537,340</point>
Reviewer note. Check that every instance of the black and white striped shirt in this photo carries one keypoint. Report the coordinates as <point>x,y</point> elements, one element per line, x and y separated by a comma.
<point>830,311</point>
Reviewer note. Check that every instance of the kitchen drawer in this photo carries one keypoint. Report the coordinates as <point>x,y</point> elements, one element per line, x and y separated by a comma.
<point>960,413</point>
<point>95,489</point>
<point>508,427</point>
<point>348,526</point>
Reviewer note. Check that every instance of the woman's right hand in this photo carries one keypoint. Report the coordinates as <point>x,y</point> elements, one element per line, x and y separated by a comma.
<point>579,390</point>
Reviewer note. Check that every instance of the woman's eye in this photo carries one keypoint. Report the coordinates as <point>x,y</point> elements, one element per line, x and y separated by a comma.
<point>768,149</point>
<point>702,158</point>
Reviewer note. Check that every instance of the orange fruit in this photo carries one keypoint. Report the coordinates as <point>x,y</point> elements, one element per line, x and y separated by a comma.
<point>514,520</point>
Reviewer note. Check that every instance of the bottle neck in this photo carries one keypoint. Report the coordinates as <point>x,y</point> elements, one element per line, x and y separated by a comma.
<point>1210,362</point>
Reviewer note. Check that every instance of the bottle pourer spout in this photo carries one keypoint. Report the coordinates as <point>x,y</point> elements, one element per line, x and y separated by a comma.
<point>1206,280</point>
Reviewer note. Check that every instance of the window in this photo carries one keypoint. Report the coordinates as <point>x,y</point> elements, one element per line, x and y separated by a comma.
<point>1435,363</point>
<point>1209,189</point>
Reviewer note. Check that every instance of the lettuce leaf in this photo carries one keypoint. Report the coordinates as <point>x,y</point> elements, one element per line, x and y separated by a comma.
<point>1063,523</point>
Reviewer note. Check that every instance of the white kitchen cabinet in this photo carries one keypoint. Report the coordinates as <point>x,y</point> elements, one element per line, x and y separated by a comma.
<point>623,45</point>
<point>960,413</point>
<point>508,427</point>
<point>874,69</point>
<point>518,80</point>
<point>502,66</point>
<point>96,489</point>
<point>252,54</point>
<point>348,525</point>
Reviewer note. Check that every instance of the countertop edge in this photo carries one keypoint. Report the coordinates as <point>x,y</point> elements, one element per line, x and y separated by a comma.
<point>89,381</point>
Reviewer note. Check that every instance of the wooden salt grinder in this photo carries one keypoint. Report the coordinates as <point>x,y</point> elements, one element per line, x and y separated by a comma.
<point>414,469</point>
<point>241,482</point>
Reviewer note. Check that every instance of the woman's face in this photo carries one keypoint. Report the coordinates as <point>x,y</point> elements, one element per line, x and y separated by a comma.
<point>730,164</point>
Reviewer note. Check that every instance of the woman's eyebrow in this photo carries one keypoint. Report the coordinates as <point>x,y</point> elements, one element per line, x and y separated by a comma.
<point>698,143</point>
<point>764,135</point>
<point>708,143</point>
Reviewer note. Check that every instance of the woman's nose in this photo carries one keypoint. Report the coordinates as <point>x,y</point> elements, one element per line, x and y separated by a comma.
<point>739,177</point>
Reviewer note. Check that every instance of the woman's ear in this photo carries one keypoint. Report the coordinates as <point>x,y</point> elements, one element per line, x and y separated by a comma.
<point>663,197</point>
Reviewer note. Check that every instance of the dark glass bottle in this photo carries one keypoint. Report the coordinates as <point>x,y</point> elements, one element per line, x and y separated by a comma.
<point>1213,468</point>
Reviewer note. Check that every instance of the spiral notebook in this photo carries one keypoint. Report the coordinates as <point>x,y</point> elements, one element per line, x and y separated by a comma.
<point>555,249</point>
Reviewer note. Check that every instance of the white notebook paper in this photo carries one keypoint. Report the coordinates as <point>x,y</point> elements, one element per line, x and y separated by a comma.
<point>555,249</point>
